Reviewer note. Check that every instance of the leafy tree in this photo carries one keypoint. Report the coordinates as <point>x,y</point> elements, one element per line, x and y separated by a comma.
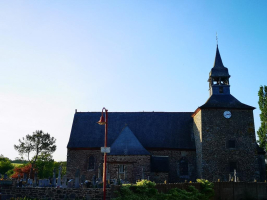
<point>39,142</point>
<point>5,165</point>
<point>262,132</point>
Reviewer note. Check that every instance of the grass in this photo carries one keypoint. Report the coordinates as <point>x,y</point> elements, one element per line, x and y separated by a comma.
<point>16,164</point>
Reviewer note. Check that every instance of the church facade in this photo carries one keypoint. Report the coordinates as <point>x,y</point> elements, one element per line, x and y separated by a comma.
<point>214,142</point>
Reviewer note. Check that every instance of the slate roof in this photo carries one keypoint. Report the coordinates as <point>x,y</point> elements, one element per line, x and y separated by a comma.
<point>225,101</point>
<point>152,129</point>
<point>218,69</point>
<point>159,164</point>
<point>127,144</point>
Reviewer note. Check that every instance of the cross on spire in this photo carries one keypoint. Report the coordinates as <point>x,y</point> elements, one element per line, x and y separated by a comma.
<point>217,38</point>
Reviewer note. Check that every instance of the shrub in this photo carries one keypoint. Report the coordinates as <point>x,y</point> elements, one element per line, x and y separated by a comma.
<point>145,190</point>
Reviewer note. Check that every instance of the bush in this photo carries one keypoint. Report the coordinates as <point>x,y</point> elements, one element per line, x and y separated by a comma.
<point>5,165</point>
<point>145,190</point>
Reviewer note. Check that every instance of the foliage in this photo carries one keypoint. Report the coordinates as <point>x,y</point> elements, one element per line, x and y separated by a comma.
<point>20,170</point>
<point>5,165</point>
<point>145,190</point>
<point>206,188</point>
<point>46,165</point>
<point>262,132</point>
<point>39,142</point>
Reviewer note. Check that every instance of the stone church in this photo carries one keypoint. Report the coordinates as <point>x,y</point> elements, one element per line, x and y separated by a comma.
<point>212,142</point>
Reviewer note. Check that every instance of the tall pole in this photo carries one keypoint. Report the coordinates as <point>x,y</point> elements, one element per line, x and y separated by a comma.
<point>105,156</point>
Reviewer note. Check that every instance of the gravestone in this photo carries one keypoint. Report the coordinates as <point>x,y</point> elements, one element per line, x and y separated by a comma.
<point>25,176</point>
<point>64,185</point>
<point>100,170</point>
<point>94,180</point>
<point>5,176</point>
<point>82,179</point>
<point>35,179</point>
<point>20,183</point>
<point>40,183</point>
<point>77,178</point>
<point>70,183</point>
<point>59,176</point>
<point>54,178</point>
<point>143,174</point>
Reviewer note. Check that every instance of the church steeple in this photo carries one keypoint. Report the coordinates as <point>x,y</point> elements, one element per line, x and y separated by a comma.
<point>219,77</point>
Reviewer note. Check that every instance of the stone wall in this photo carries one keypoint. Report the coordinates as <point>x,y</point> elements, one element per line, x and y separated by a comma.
<point>174,157</point>
<point>79,159</point>
<point>54,193</point>
<point>197,128</point>
<point>217,156</point>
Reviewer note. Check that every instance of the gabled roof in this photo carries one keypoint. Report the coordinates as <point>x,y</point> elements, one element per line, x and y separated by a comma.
<point>218,69</point>
<point>127,144</point>
<point>152,129</point>
<point>225,101</point>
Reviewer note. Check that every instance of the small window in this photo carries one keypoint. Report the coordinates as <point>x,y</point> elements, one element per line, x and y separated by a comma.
<point>221,89</point>
<point>183,167</point>
<point>91,163</point>
<point>231,144</point>
<point>121,168</point>
<point>233,166</point>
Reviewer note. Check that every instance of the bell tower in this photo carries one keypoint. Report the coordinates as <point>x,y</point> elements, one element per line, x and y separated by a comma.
<point>225,134</point>
<point>219,77</point>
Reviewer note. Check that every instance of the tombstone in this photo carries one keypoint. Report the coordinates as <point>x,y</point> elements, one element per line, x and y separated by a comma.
<point>25,176</point>
<point>35,179</point>
<point>5,176</point>
<point>77,178</point>
<point>30,182</point>
<point>100,170</point>
<point>230,177</point>
<point>70,183</point>
<point>54,178</point>
<point>46,182</point>
<point>64,185</point>
<point>82,179</point>
<point>40,183</point>
<point>234,175</point>
<point>59,176</point>
<point>20,183</point>
<point>143,174</point>
<point>94,180</point>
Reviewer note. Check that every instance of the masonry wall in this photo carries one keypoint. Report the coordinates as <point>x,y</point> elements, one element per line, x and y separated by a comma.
<point>174,169</point>
<point>216,153</point>
<point>197,128</point>
<point>79,159</point>
<point>54,193</point>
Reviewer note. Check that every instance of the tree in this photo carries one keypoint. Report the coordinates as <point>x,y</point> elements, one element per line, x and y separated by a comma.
<point>262,132</point>
<point>5,165</point>
<point>39,142</point>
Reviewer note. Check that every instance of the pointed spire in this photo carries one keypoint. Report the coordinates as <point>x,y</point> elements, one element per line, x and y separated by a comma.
<point>218,59</point>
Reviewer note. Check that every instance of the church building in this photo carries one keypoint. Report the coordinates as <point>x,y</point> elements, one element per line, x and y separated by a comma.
<point>213,142</point>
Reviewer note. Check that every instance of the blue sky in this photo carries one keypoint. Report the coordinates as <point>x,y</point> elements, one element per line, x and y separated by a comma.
<point>58,56</point>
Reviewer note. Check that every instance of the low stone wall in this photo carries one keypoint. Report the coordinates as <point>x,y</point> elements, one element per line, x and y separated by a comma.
<point>223,191</point>
<point>54,193</point>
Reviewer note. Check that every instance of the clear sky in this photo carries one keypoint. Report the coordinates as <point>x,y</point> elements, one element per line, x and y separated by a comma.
<point>134,55</point>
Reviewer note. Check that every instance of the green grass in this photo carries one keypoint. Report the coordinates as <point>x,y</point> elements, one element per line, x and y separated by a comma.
<point>16,164</point>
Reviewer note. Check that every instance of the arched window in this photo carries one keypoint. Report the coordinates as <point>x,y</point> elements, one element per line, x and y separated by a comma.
<point>183,167</point>
<point>91,163</point>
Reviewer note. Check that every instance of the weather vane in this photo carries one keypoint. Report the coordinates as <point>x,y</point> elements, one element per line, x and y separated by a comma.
<point>217,38</point>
